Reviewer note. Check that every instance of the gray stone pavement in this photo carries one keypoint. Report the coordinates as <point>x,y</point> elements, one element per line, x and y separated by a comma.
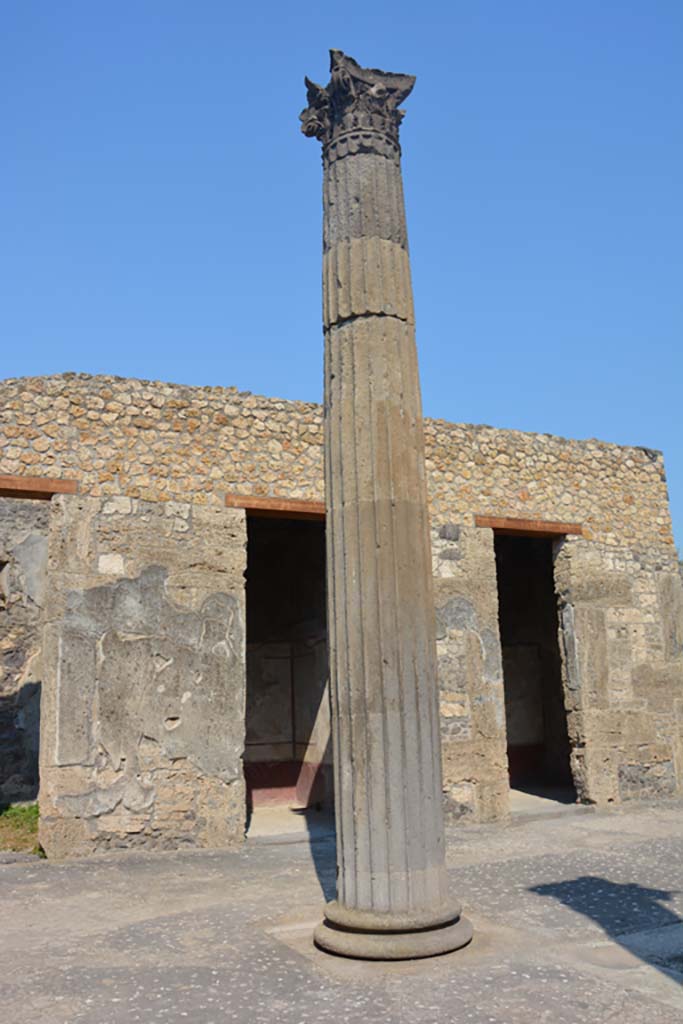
<point>579,918</point>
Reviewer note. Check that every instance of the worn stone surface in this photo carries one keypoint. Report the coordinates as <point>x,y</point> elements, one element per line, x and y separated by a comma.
<point>392,899</point>
<point>578,921</point>
<point>23,561</point>
<point>144,676</point>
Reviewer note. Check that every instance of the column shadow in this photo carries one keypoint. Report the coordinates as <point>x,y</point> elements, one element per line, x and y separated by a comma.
<point>321,826</point>
<point>322,842</point>
<point>615,907</point>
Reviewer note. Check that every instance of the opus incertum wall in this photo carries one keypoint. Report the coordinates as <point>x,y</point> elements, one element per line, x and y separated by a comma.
<point>159,442</point>
<point>177,452</point>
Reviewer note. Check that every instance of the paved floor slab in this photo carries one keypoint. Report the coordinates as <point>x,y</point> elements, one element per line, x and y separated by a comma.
<point>272,822</point>
<point>578,919</point>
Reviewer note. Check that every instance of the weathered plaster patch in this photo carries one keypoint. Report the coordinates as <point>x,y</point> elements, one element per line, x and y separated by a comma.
<point>112,564</point>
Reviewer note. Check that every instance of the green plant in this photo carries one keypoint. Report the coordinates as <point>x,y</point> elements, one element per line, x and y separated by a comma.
<point>19,828</point>
<point>22,814</point>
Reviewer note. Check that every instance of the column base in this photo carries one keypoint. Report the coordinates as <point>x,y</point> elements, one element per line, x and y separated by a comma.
<point>382,943</point>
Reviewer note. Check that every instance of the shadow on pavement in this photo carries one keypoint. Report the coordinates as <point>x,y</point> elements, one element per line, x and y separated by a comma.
<point>323,844</point>
<point>623,909</point>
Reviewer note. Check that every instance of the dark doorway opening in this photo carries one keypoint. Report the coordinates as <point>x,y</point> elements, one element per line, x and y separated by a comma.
<point>536,719</point>
<point>286,758</point>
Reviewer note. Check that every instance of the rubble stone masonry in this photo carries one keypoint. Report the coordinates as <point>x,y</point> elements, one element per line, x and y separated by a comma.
<point>161,442</point>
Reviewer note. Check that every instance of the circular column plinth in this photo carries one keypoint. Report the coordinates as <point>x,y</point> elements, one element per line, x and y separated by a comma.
<point>374,936</point>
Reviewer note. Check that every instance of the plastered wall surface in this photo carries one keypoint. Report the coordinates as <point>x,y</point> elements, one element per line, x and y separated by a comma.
<point>470,673</point>
<point>144,676</point>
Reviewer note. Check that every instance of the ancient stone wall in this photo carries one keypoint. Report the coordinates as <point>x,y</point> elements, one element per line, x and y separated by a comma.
<point>159,441</point>
<point>144,676</point>
<point>470,673</point>
<point>23,561</point>
<point>621,639</point>
<point>141,450</point>
<point>621,627</point>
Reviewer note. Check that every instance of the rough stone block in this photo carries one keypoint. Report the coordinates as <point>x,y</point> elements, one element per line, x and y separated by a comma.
<point>649,773</point>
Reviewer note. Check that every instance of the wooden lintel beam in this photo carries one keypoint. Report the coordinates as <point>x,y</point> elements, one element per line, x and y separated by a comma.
<point>528,527</point>
<point>35,487</point>
<point>286,508</point>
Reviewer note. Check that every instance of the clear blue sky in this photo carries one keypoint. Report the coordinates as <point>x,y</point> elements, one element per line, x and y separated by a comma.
<point>161,213</point>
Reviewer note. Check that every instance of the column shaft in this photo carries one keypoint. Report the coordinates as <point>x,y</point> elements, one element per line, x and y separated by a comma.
<point>392,898</point>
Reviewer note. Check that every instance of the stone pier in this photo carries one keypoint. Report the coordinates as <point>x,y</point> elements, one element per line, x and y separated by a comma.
<point>392,899</point>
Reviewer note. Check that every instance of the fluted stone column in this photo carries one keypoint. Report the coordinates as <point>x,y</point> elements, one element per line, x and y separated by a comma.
<point>392,898</point>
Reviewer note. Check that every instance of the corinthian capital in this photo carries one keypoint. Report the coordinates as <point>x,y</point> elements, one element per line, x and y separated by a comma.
<point>356,99</point>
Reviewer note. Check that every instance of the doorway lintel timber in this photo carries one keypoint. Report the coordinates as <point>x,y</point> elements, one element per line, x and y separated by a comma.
<point>282,508</point>
<point>507,525</point>
<point>38,487</point>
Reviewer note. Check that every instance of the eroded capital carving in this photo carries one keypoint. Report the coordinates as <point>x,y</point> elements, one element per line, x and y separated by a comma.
<point>359,106</point>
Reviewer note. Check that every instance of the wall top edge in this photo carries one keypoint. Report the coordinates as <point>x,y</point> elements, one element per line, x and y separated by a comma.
<point>232,393</point>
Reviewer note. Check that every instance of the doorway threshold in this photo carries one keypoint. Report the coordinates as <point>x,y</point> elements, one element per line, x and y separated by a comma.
<point>544,801</point>
<point>290,825</point>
